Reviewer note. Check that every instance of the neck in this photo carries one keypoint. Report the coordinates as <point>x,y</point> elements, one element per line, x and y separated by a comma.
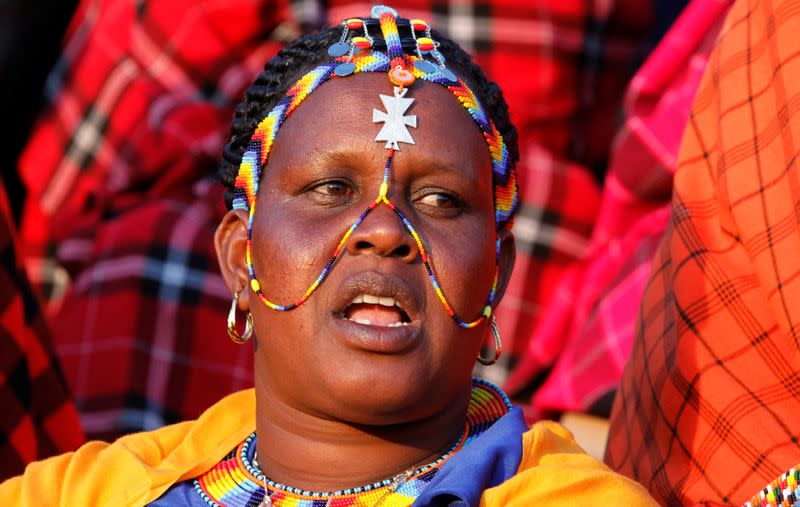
<point>315,453</point>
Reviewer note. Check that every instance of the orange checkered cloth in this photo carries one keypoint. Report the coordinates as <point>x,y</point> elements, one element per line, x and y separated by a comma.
<point>707,411</point>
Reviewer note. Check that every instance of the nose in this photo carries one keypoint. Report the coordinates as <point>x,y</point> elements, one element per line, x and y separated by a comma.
<point>383,233</point>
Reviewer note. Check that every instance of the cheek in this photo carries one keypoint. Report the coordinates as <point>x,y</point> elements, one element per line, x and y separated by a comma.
<point>289,252</point>
<point>463,260</point>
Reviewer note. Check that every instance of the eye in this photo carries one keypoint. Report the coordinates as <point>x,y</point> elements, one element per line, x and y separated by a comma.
<point>439,202</point>
<point>331,192</point>
<point>332,188</point>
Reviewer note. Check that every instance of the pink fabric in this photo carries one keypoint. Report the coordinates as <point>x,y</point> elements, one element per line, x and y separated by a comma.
<point>586,336</point>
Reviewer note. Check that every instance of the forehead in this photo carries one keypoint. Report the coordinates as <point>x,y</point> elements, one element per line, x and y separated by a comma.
<point>337,118</point>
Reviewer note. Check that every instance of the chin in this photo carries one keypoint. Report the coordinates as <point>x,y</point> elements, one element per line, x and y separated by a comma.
<point>390,390</point>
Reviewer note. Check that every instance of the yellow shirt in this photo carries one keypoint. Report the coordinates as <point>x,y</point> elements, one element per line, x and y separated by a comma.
<point>138,468</point>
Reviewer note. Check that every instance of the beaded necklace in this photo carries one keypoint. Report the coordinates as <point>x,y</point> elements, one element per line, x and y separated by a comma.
<point>359,56</point>
<point>783,491</point>
<point>237,481</point>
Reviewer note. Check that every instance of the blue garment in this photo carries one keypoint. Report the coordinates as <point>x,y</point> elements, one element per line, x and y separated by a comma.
<point>489,460</point>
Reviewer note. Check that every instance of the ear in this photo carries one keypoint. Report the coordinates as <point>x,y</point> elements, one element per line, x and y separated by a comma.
<point>230,240</point>
<point>508,254</point>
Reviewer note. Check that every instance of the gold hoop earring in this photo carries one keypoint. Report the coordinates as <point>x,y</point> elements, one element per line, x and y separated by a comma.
<point>248,326</point>
<point>498,344</point>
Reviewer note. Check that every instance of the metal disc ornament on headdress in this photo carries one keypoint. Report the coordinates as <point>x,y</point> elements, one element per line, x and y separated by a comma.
<point>344,69</point>
<point>424,66</point>
<point>338,49</point>
<point>448,74</point>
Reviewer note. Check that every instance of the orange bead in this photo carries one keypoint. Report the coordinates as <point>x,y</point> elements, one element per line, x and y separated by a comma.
<point>361,42</point>
<point>419,24</point>
<point>401,77</point>
<point>425,44</point>
<point>354,23</point>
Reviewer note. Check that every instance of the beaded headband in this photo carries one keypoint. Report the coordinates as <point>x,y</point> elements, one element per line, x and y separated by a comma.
<point>358,56</point>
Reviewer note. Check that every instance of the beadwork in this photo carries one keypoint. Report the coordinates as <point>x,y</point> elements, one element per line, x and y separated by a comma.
<point>400,66</point>
<point>236,481</point>
<point>784,491</point>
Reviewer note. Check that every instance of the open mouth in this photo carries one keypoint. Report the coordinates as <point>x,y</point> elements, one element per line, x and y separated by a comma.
<point>371,310</point>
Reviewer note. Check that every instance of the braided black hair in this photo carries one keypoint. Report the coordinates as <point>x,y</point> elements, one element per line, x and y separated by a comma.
<point>309,51</point>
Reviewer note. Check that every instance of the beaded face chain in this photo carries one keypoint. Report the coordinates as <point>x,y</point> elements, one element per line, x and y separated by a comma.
<point>238,481</point>
<point>403,70</point>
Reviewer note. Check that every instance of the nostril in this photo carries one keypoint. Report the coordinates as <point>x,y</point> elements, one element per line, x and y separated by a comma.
<point>402,251</point>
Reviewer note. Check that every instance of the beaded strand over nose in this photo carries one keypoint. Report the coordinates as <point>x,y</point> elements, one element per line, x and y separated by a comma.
<point>360,55</point>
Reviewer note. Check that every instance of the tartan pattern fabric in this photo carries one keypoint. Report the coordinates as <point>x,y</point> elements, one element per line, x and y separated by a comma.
<point>587,332</point>
<point>138,109</point>
<point>139,106</point>
<point>707,407</point>
<point>147,344</point>
<point>39,418</point>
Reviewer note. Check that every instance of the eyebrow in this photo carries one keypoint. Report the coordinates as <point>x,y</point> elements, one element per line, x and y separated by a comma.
<point>431,165</point>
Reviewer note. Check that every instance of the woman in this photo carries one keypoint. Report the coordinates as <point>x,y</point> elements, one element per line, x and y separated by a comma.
<point>380,142</point>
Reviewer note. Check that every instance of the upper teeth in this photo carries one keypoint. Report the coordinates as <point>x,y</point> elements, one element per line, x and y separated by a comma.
<point>375,300</point>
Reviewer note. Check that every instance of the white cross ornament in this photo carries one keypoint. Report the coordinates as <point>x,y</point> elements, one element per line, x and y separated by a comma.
<point>394,128</point>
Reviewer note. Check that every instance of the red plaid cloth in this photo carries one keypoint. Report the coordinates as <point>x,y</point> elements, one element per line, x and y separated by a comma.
<point>138,109</point>
<point>708,404</point>
<point>39,419</point>
<point>140,105</point>
<point>587,333</point>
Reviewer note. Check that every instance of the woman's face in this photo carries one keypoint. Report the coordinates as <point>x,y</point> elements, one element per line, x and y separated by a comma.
<point>373,344</point>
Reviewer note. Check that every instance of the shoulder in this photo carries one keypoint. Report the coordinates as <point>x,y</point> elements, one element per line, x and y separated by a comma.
<point>136,468</point>
<point>555,470</point>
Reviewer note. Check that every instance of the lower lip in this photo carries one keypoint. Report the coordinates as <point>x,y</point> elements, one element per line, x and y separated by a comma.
<point>378,339</point>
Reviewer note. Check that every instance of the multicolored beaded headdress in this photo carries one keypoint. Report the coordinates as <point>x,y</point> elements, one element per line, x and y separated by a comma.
<point>359,53</point>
